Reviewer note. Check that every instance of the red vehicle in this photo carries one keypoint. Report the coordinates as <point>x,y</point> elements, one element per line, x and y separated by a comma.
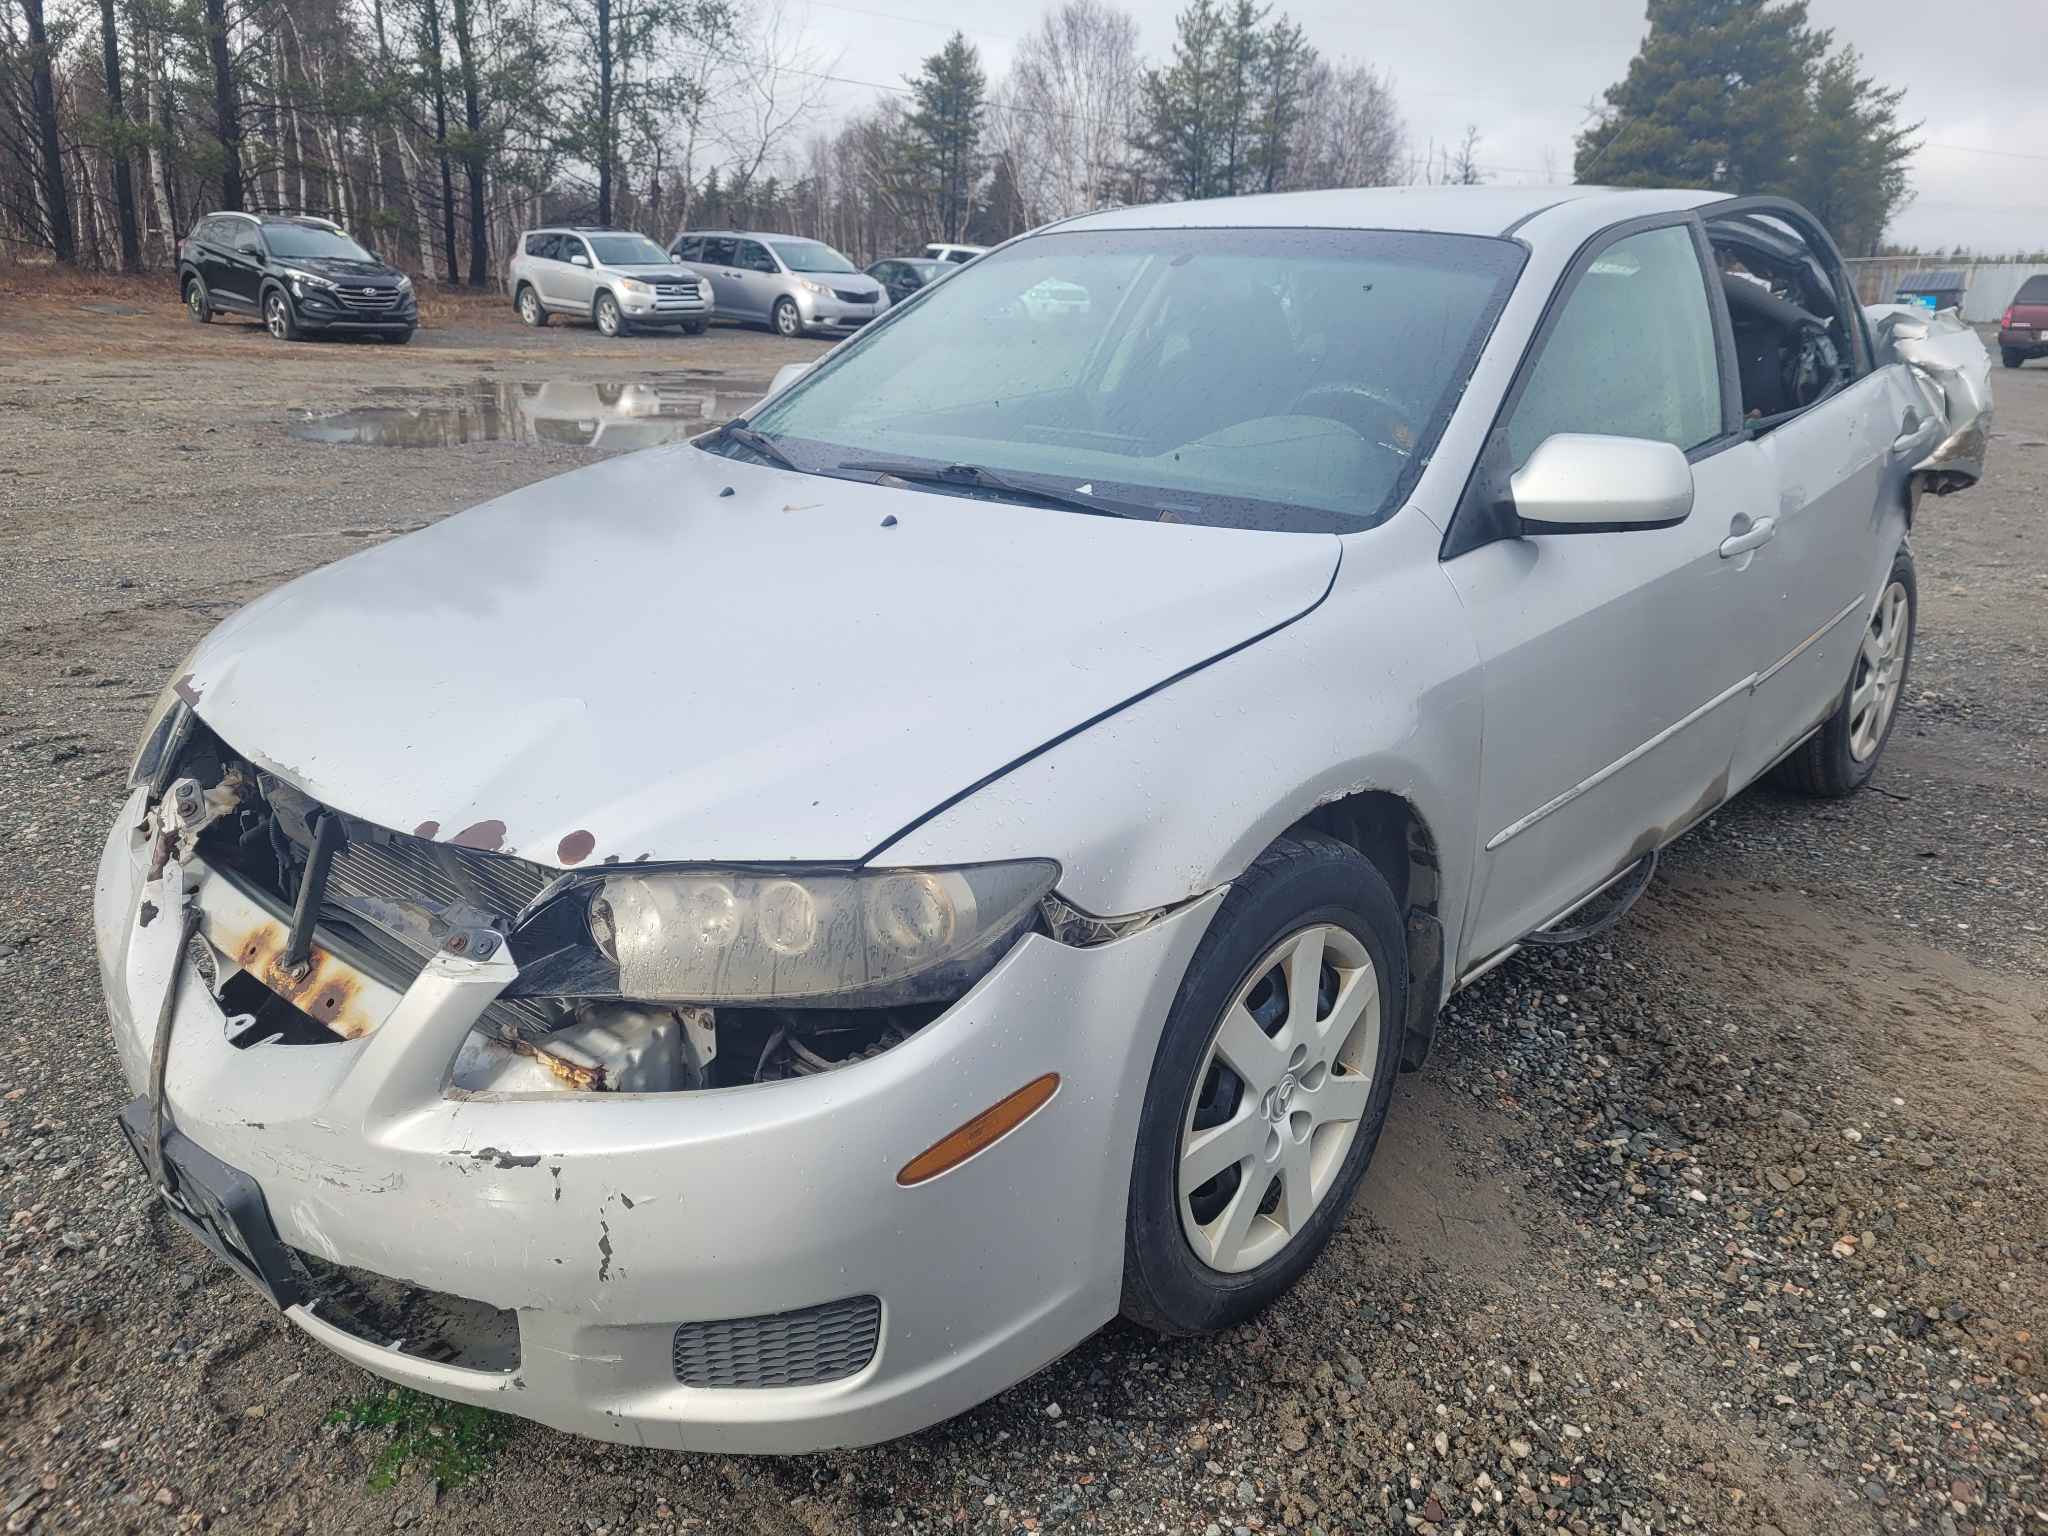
<point>2023,332</point>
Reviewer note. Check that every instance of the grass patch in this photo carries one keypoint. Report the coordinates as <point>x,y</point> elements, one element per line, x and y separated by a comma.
<point>455,1442</point>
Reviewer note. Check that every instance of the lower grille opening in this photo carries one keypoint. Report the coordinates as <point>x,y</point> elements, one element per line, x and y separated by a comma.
<point>781,1349</point>
<point>393,1314</point>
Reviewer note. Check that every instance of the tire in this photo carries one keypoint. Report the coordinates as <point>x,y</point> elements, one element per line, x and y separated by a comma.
<point>2010,358</point>
<point>694,328</point>
<point>606,314</point>
<point>787,320</point>
<point>1841,756</point>
<point>278,316</point>
<point>401,339</point>
<point>1303,885</point>
<point>198,304</point>
<point>530,308</point>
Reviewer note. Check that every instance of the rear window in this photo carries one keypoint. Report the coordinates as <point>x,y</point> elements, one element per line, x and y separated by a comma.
<point>2034,290</point>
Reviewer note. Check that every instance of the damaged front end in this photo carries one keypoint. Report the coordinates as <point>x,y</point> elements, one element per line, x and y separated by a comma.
<point>1949,363</point>
<point>635,978</point>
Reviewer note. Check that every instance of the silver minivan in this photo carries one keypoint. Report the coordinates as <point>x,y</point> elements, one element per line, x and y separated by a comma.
<point>790,284</point>
<point>616,279</point>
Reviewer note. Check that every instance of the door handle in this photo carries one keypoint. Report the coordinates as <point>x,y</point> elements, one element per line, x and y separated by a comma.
<point>1760,532</point>
<point>1909,440</point>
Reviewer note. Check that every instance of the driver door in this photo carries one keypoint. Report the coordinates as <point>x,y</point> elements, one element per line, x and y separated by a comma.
<point>1615,675</point>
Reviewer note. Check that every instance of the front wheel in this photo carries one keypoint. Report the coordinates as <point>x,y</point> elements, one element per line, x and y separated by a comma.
<point>609,321</point>
<point>1843,754</point>
<point>1269,1089</point>
<point>788,322</point>
<point>694,328</point>
<point>278,318</point>
<point>399,338</point>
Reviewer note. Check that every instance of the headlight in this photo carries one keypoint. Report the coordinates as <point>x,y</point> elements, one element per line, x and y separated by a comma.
<point>303,280</point>
<point>159,728</point>
<point>703,290</point>
<point>404,284</point>
<point>818,288</point>
<point>634,285</point>
<point>755,936</point>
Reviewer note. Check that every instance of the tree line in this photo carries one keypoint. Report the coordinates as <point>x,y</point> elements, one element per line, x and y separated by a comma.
<point>436,129</point>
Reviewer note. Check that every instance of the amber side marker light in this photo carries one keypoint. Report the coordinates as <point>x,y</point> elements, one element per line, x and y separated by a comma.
<point>984,1130</point>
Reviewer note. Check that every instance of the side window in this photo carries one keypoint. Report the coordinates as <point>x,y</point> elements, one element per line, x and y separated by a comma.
<point>1633,353</point>
<point>690,248</point>
<point>543,246</point>
<point>570,248</point>
<point>718,250</point>
<point>248,241</point>
<point>752,256</point>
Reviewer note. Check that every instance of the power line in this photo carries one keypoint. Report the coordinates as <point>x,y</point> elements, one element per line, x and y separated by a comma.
<point>1972,149</point>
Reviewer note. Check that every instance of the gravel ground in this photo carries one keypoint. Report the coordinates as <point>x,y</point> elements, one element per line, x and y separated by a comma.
<point>1728,1221</point>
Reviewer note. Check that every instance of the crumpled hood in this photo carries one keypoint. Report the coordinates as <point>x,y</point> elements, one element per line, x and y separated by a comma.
<point>627,662</point>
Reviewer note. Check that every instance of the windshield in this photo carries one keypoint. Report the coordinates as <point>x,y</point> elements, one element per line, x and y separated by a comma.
<point>627,251</point>
<point>1255,378</point>
<point>306,241</point>
<point>810,256</point>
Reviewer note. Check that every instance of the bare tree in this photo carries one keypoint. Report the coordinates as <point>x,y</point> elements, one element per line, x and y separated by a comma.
<point>49,146</point>
<point>1351,133</point>
<point>773,80</point>
<point>1064,119</point>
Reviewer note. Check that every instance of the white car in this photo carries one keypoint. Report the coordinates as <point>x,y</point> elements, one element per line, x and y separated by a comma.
<point>940,250</point>
<point>761,943</point>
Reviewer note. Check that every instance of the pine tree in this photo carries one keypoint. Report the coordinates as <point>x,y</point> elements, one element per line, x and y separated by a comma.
<point>1852,162</point>
<point>951,93</point>
<point>1717,97</point>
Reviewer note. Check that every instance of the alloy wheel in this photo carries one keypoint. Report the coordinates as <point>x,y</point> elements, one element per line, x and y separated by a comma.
<point>275,319</point>
<point>195,298</point>
<point>608,316</point>
<point>1279,1097</point>
<point>787,321</point>
<point>529,308</point>
<point>1880,672</point>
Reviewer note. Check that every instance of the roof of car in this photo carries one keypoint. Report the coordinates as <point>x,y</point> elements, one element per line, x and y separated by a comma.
<point>748,234</point>
<point>1446,210</point>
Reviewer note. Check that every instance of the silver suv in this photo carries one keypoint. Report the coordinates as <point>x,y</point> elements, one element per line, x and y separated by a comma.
<point>614,278</point>
<point>786,282</point>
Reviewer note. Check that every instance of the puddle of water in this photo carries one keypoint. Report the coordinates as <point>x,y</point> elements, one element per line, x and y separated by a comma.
<point>661,408</point>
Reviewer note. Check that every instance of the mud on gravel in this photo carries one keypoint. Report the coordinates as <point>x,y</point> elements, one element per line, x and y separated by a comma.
<point>1731,1220</point>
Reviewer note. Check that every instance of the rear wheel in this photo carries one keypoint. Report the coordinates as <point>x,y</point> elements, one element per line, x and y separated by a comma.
<point>1269,1088</point>
<point>531,310</point>
<point>788,322</point>
<point>278,318</point>
<point>198,307</point>
<point>1842,755</point>
<point>2011,358</point>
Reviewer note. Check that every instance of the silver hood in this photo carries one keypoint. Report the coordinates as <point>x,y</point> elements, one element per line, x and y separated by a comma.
<point>627,662</point>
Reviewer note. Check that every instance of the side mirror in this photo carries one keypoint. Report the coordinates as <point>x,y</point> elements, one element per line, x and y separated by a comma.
<point>785,376</point>
<point>676,257</point>
<point>1577,482</point>
<point>579,261</point>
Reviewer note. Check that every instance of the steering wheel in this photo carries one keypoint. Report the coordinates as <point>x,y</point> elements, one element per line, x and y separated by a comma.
<point>1373,417</point>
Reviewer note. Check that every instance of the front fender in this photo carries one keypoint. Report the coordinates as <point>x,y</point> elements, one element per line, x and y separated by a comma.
<point>1377,689</point>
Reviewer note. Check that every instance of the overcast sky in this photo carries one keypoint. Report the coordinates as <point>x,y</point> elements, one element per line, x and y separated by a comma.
<point>1976,72</point>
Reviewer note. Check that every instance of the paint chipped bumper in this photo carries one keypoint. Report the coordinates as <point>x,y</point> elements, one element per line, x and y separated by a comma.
<point>603,1222</point>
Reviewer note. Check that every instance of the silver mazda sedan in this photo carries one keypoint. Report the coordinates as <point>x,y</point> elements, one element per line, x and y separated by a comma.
<point>764,942</point>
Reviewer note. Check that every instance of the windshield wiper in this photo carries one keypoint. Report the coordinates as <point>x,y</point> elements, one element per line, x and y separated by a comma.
<point>737,431</point>
<point>974,477</point>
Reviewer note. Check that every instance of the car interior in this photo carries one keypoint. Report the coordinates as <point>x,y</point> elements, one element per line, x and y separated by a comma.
<point>1793,342</point>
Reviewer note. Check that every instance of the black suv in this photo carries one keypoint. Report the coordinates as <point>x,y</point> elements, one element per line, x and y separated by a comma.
<point>299,275</point>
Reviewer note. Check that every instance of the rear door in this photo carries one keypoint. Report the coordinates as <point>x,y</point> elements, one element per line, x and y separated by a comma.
<point>760,282</point>
<point>1837,473</point>
<point>725,278</point>
<point>1615,683</point>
